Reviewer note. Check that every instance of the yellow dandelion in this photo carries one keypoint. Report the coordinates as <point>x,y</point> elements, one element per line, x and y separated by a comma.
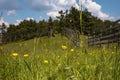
<point>58,56</point>
<point>59,65</point>
<point>115,47</point>
<point>46,61</point>
<point>1,48</point>
<point>64,47</point>
<point>14,54</point>
<point>26,55</point>
<point>65,56</point>
<point>113,52</point>
<point>78,63</point>
<point>72,50</point>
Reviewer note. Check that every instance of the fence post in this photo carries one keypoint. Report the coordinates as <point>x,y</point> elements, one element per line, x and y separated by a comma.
<point>118,41</point>
<point>94,38</point>
<point>89,39</point>
<point>100,35</point>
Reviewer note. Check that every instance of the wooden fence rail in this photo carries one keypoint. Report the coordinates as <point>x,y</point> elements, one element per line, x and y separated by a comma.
<point>109,35</point>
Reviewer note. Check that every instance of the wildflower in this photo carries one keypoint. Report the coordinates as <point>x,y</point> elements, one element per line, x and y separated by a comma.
<point>59,65</point>
<point>64,47</point>
<point>58,56</point>
<point>46,61</point>
<point>78,63</point>
<point>67,68</point>
<point>115,47</point>
<point>112,52</point>
<point>1,48</point>
<point>26,55</point>
<point>72,50</point>
<point>14,54</point>
<point>65,56</point>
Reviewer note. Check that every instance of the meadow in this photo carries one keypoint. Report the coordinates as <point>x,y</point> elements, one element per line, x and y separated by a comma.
<point>57,59</point>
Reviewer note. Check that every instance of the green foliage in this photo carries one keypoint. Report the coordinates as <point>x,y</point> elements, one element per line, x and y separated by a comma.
<point>29,29</point>
<point>51,62</point>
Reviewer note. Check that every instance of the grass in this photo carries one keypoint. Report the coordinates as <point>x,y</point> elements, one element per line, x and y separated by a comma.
<point>46,60</point>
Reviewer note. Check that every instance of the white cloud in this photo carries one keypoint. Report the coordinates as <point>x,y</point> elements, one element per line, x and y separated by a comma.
<point>96,10</point>
<point>39,5</point>
<point>11,13</point>
<point>18,22</point>
<point>41,18</point>
<point>2,21</point>
<point>29,18</point>
<point>51,6</point>
<point>9,4</point>
<point>53,13</point>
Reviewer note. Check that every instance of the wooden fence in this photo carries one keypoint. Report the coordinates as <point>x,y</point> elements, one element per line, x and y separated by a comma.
<point>108,35</point>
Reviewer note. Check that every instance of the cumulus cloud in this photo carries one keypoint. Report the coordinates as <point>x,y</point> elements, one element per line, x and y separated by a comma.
<point>40,5</point>
<point>96,9</point>
<point>41,18</point>
<point>2,21</point>
<point>9,4</point>
<point>53,13</point>
<point>51,6</point>
<point>29,18</point>
<point>20,20</point>
<point>11,13</point>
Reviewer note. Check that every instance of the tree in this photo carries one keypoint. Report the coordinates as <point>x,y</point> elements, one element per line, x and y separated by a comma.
<point>2,31</point>
<point>61,21</point>
<point>50,27</point>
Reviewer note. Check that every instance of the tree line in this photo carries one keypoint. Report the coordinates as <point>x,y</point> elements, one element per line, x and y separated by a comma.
<point>29,29</point>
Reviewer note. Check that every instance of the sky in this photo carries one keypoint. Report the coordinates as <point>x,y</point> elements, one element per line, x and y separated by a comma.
<point>15,11</point>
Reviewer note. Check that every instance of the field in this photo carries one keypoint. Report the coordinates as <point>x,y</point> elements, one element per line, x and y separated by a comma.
<point>57,59</point>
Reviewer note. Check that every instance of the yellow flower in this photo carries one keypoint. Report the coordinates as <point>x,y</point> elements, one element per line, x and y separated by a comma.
<point>59,65</point>
<point>1,48</point>
<point>58,56</point>
<point>72,50</point>
<point>112,52</point>
<point>64,47</point>
<point>26,55</point>
<point>78,63</point>
<point>115,47</point>
<point>46,61</point>
<point>65,56</point>
<point>14,54</point>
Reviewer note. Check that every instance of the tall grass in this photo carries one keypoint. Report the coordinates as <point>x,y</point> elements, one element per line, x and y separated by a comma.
<point>51,62</point>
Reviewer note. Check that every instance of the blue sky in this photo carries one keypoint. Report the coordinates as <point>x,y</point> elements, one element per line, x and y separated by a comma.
<point>110,7</point>
<point>14,11</point>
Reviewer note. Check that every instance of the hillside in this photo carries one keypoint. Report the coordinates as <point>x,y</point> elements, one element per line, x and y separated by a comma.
<point>57,59</point>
